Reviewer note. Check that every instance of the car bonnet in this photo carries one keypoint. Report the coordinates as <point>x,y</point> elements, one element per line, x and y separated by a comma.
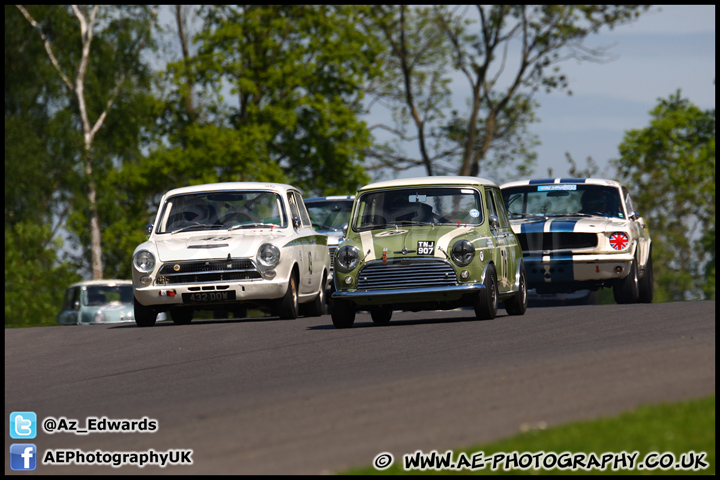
<point>409,242</point>
<point>567,223</point>
<point>217,244</point>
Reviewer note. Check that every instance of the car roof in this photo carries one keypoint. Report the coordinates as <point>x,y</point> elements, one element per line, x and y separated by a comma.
<point>546,181</point>
<point>277,187</point>
<point>108,282</point>
<point>432,180</point>
<point>330,198</point>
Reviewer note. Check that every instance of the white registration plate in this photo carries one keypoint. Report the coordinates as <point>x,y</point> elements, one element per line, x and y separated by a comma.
<point>425,247</point>
<point>208,297</point>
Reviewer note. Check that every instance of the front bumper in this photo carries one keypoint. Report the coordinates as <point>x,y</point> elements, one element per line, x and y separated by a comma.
<point>408,295</point>
<point>172,295</point>
<point>567,268</point>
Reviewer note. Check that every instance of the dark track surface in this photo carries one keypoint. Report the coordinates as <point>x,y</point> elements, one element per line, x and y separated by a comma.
<point>300,397</point>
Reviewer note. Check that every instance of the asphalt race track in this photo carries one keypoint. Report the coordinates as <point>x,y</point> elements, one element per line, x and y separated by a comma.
<point>301,397</point>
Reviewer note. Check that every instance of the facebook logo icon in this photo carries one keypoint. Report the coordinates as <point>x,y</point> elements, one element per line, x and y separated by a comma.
<point>23,425</point>
<point>23,456</point>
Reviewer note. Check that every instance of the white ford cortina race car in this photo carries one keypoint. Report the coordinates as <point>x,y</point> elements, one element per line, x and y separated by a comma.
<point>226,246</point>
<point>581,233</point>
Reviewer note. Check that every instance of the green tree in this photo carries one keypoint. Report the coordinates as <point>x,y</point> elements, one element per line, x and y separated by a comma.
<point>99,70</point>
<point>38,153</point>
<point>670,168</point>
<point>295,77</point>
<point>505,53</point>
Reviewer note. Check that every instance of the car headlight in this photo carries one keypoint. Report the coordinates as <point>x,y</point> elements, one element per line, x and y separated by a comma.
<point>144,261</point>
<point>268,255</point>
<point>463,252</point>
<point>619,241</point>
<point>347,258</point>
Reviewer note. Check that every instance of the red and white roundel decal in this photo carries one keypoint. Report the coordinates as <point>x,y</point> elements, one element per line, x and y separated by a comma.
<point>618,241</point>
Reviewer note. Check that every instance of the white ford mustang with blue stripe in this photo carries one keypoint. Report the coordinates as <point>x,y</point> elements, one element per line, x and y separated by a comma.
<point>581,233</point>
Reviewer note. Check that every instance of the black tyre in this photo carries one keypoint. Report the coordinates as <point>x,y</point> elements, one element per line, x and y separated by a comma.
<point>343,313</point>
<point>518,304</point>
<point>646,287</point>
<point>181,316</point>
<point>486,302</point>
<point>627,290</point>
<point>317,306</point>
<point>288,309</point>
<point>381,316</point>
<point>144,316</point>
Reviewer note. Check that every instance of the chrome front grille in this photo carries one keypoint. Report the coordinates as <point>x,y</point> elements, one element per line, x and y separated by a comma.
<point>406,273</point>
<point>205,271</point>
<point>332,249</point>
<point>556,241</point>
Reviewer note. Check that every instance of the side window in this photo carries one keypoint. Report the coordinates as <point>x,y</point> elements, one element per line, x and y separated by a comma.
<point>492,209</point>
<point>628,202</point>
<point>500,208</point>
<point>294,213</point>
<point>297,209</point>
<point>304,216</point>
<point>71,296</point>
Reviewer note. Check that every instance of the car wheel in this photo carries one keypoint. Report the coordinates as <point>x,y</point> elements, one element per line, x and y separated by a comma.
<point>626,290</point>
<point>317,306</point>
<point>144,316</point>
<point>646,282</point>
<point>328,298</point>
<point>289,305</point>
<point>381,316</point>
<point>343,313</point>
<point>181,316</point>
<point>487,299</point>
<point>518,304</point>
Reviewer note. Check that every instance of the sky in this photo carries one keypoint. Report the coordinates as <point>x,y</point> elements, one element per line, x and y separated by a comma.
<point>668,48</point>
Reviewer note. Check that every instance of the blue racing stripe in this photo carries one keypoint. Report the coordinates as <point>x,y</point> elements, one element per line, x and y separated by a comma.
<point>572,180</point>
<point>534,227</point>
<point>539,182</point>
<point>562,225</point>
<point>558,269</point>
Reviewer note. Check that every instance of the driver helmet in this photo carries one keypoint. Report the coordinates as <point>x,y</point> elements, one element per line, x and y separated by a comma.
<point>197,210</point>
<point>594,201</point>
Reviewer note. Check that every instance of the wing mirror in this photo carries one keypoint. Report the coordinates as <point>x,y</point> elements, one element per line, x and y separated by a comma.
<point>494,221</point>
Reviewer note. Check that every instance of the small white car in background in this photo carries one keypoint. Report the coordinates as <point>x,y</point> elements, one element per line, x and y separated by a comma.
<point>229,246</point>
<point>581,234</point>
<point>97,302</point>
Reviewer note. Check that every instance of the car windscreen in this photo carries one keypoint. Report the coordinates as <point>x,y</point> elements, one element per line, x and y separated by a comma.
<point>563,199</point>
<point>418,205</point>
<point>221,210</point>
<point>96,295</point>
<point>329,215</point>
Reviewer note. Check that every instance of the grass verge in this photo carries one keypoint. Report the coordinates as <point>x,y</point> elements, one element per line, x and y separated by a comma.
<point>668,431</point>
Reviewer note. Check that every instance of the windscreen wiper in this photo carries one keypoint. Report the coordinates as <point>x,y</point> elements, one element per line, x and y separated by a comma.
<point>253,225</point>
<point>198,225</point>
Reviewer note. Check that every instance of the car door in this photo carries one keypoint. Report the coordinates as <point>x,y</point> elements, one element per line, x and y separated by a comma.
<point>500,238</point>
<point>306,245</point>
<point>70,312</point>
<point>511,245</point>
<point>639,229</point>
